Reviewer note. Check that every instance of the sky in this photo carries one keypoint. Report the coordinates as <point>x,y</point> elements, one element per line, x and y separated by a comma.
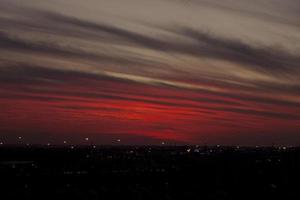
<point>145,72</point>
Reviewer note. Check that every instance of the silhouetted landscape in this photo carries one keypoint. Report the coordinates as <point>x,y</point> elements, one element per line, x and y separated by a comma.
<point>149,172</point>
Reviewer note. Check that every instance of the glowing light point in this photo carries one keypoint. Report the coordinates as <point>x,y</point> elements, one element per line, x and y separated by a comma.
<point>86,139</point>
<point>118,140</point>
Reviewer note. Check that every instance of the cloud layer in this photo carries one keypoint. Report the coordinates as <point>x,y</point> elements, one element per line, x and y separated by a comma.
<point>206,72</point>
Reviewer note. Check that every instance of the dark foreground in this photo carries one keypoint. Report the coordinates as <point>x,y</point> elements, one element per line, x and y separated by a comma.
<point>149,173</point>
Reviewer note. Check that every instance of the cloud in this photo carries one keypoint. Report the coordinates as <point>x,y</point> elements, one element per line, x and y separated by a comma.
<point>184,78</point>
<point>274,61</point>
<point>266,59</point>
<point>55,84</point>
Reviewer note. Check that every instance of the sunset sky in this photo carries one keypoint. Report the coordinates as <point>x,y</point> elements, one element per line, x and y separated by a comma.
<point>146,71</point>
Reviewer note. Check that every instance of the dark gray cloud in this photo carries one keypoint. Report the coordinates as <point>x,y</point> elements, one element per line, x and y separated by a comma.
<point>34,74</point>
<point>274,60</point>
<point>267,59</point>
<point>239,7</point>
<point>26,46</point>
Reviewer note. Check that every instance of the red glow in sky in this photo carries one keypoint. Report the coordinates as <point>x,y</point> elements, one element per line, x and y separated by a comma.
<point>88,72</point>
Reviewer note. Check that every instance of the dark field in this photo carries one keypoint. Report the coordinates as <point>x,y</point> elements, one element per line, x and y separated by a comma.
<point>186,172</point>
